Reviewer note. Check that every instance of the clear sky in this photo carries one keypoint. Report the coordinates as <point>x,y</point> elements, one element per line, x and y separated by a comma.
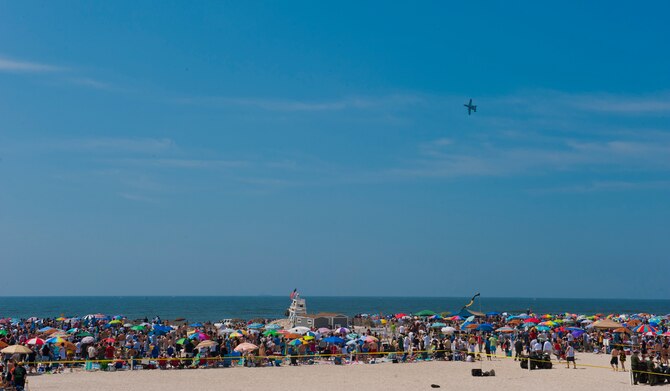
<point>252,147</point>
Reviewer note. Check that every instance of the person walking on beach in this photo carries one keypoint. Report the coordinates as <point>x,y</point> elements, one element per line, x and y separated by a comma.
<point>570,356</point>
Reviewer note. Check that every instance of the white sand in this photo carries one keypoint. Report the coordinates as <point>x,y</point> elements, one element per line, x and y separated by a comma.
<point>387,376</point>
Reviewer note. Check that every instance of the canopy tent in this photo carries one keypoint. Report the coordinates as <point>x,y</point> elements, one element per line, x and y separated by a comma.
<point>606,324</point>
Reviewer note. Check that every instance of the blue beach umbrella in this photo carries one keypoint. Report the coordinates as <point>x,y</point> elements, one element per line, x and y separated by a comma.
<point>335,340</point>
<point>196,324</point>
<point>492,313</point>
<point>272,326</point>
<point>438,325</point>
<point>255,326</point>
<point>485,327</point>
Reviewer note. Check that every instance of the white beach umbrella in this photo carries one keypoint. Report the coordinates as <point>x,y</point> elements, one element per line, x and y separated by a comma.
<point>448,330</point>
<point>299,330</point>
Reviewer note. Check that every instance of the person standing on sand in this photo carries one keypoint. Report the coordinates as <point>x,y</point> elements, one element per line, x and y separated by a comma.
<point>622,359</point>
<point>614,361</point>
<point>518,348</point>
<point>570,356</point>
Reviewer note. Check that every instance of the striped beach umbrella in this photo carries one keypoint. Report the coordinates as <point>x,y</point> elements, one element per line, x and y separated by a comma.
<point>644,328</point>
<point>35,341</point>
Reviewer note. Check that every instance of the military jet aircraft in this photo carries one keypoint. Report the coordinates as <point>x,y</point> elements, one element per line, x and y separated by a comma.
<point>471,107</point>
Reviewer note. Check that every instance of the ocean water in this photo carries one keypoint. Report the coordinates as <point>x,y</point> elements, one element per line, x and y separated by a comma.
<point>213,308</point>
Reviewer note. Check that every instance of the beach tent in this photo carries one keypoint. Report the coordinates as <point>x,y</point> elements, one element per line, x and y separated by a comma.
<point>425,313</point>
<point>606,324</point>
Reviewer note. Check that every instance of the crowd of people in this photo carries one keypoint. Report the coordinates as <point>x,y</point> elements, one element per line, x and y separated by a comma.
<point>101,342</point>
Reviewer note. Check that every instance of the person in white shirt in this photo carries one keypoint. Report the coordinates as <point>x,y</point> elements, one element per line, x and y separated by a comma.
<point>547,347</point>
<point>570,355</point>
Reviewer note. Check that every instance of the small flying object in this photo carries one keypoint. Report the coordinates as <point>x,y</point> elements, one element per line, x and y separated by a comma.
<point>471,107</point>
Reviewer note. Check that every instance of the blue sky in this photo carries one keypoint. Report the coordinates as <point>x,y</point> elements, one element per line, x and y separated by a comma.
<point>254,147</point>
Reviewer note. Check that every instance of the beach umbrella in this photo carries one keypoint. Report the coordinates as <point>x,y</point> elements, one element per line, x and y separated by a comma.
<point>271,333</point>
<point>308,337</point>
<point>45,329</point>
<point>425,313</point>
<point>296,342</point>
<point>226,330</point>
<point>272,326</point>
<point>72,331</point>
<point>577,333</point>
<point>255,326</point>
<point>181,341</point>
<point>335,340</point>
<point>56,340</point>
<point>84,334</point>
<point>448,330</point>
<point>16,349</point>
<point>128,325</point>
<point>198,336</point>
<point>369,339</point>
<point>437,325</point>
<point>324,330</point>
<point>235,334</point>
<point>137,328</point>
<point>206,344</point>
<point>3,344</point>
<point>109,340</point>
<point>456,318</point>
<point>531,320</point>
<point>35,341</point>
<point>492,313</point>
<point>644,328</point>
<point>352,336</point>
<point>299,330</point>
<point>245,347</point>
<point>198,324</point>
<point>88,340</point>
<point>543,328</point>
<point>485,327</point>
<point>505,329</point>
<point>622,330</point>
<point>3,332</point>
<point>435,317</point>
<point>400,315</point>
<point>341,330</point>
<point>115,321</point>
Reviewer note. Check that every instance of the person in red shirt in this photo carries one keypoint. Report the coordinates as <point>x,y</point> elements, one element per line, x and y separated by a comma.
<point>109,352</point>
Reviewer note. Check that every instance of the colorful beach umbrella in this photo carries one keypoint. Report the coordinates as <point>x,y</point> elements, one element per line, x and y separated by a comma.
<point>56,340</point>
<point>296,342</point>
<point>644,328</point>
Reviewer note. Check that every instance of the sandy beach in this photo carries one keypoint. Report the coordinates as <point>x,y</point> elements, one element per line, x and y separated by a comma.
<point>386,376</point>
